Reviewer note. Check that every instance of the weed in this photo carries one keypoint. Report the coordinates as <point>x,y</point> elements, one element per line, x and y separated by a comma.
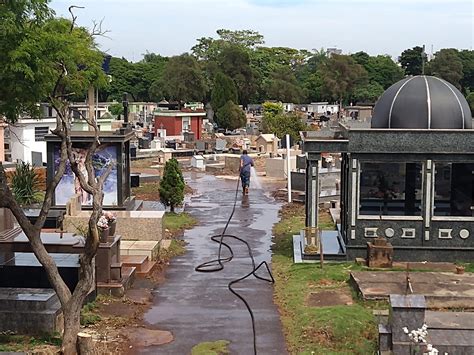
<point>218,347</point>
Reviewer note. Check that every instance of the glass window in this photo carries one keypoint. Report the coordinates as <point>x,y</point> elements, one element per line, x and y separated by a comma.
<point>40,132</point>
<point>453,189</point>
<point>393,189</point>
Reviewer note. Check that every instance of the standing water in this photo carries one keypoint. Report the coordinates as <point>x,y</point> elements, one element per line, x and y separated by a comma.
<point>254,179</point>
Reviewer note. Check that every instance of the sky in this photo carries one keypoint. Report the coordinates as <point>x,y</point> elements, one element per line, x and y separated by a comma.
<point>171,27</point>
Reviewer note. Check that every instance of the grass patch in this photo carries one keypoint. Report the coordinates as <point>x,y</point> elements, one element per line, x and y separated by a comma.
<point>147,188</point>
<point>218,347</point>
<point>88,315</point>
<point>177,247</point>
<point>143,163</point>
<point>175,222</point>
<point>21,343</point>
<point>342,329</point>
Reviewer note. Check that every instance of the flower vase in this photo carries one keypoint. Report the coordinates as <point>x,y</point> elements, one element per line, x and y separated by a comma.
<point>104,233</point>
<point>112,227</point>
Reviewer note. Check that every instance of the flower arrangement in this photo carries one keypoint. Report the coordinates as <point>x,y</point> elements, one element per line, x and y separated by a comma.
<point>110,216</point>
<point>418,336</point>
<point>103,223</point>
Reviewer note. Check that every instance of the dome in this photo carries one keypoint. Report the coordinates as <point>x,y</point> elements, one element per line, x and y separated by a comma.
<point>422,102</point>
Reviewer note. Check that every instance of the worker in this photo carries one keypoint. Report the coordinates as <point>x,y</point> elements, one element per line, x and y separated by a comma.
<point>245,164</point>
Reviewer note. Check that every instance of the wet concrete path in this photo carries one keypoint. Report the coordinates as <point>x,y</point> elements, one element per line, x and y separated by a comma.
<point>198,307</point>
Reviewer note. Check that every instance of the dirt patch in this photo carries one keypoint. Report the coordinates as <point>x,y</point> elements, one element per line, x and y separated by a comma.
<point>143,337</point>
<point>327,298</point>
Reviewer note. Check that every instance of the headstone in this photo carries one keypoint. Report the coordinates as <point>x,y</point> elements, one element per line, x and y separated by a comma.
<point>405,311</point>
<point>379,253</point>
<point>36,159</point>
<point>221,145</point>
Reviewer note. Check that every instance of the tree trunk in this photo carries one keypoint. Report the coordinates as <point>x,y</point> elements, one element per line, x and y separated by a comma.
<point>171,208</point>
<point>85,344</point>
<point>72,325</point>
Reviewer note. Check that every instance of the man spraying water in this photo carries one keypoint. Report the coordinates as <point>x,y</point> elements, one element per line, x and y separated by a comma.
<point>245,164</point>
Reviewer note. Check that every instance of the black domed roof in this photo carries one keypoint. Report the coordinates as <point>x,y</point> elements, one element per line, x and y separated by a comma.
<point>422,102</point>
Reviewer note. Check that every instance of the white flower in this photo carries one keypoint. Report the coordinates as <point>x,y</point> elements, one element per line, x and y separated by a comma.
<point>405,330</point>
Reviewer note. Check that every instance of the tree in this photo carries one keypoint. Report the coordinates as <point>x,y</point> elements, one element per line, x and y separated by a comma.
<point>470,101</point>
<point>380,69</point>
<point>52,59</point>
<point>467,81</point>
<point>340,75</point>
<point>172,185</point>
<point>283,86</point>
<point>230,116</point>
<point>182,81</point>
<point>448,66</point>
<point>116,109</point>
<point>235,62</point>
<point>223,90</point>
<point>134,78</point>
<point>411,60</point>
<point>276,122</point>
<point>368,92</point>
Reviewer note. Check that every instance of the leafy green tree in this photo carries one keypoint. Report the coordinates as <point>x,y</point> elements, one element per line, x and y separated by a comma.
<point>223,90</point>
<point>270,64</point>
<point>361,58</point>
<point>340,75</point>
<point>243,38</point>
<point>470,101</point>
<point>116,109</point>
<point>182,81</point>
<point>283,86</point>
<point>448,66</point>
<point>411,60</point>
<point>368,92</point>
<point>235,63</point>
<point>276,122</point>
<point>467,81</point>
<point>230,116</point>
<point>172,185</point>
<point>135,78</point>
<point>49,59</point>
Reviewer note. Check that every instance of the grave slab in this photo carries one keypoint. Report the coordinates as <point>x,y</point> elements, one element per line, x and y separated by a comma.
<point>441,289</point>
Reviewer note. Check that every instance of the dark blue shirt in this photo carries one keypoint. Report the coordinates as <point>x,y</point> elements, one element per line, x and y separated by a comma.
<point>247,162</point>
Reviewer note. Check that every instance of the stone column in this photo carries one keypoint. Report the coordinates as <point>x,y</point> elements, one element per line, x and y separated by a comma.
<point>312,191</point>
<point>428,199</point>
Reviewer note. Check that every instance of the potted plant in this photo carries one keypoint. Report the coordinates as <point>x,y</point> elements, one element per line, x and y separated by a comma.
<point>112,221</point>
<point>103,226</point>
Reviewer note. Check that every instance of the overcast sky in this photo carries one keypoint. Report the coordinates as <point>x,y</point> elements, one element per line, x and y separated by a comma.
<point>171,27</point>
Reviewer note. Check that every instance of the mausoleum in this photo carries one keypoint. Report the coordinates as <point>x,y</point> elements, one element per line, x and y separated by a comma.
<point>408,178</point>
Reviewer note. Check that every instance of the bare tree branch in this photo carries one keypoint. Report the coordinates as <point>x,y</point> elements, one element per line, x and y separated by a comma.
<point>97,30</point>
<point>73,22</point>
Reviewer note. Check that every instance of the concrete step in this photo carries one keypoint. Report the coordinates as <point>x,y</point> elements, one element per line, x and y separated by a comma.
<point>146,268</point>
<point>117,288</point>
<point>134,260</point>
<point>147,248</point>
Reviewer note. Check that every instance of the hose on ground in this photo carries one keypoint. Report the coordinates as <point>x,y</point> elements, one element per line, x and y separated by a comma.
<point>218,265</point>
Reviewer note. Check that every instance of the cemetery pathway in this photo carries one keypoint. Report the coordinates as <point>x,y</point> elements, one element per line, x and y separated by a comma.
<point>197,307</point>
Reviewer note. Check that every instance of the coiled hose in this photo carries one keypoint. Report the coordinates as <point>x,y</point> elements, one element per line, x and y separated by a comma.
<point>218,265</point>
